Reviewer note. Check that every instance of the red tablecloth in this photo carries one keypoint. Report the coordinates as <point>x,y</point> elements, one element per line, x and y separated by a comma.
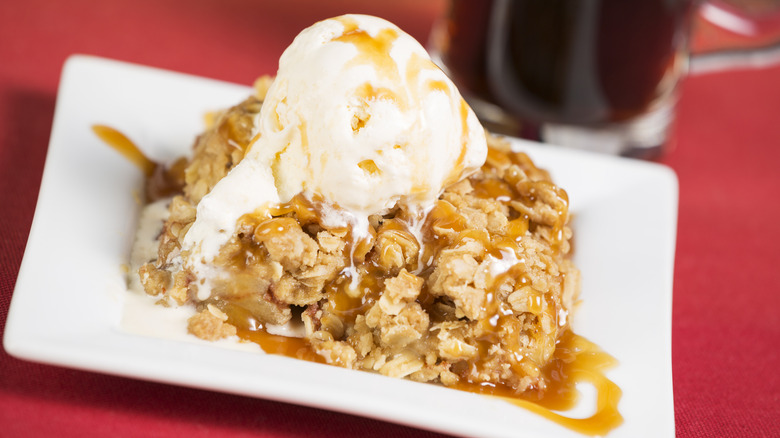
<point>726,328</point>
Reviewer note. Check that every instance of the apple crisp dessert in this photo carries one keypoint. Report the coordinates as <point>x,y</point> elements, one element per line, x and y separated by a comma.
<point>476,290</point>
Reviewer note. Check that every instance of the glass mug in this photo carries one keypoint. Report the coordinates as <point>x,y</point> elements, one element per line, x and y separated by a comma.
<point>602,75</point>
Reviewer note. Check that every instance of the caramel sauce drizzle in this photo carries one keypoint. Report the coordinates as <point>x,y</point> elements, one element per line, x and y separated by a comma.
<point>297,348</point>
<point>251,330</point>
<point>367,92</point>
<point>161,181</point>
<point>120,143</point>
<point>371,50</point>
<point>575,360</point>
<point>432,85</point>
<point>457,169</point>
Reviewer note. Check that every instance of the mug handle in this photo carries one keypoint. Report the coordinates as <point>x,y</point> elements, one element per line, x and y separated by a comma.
<point>735,34</point>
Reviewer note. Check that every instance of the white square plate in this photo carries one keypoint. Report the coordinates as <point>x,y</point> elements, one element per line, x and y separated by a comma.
<point>69,296</point>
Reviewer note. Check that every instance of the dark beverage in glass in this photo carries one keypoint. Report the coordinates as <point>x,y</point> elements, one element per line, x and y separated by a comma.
<point>591,64</point>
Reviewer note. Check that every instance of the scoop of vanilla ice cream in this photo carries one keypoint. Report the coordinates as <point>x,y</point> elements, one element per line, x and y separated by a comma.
<point>359,114</point>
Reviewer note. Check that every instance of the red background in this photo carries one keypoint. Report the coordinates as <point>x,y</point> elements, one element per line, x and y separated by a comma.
<point>727,148</point>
